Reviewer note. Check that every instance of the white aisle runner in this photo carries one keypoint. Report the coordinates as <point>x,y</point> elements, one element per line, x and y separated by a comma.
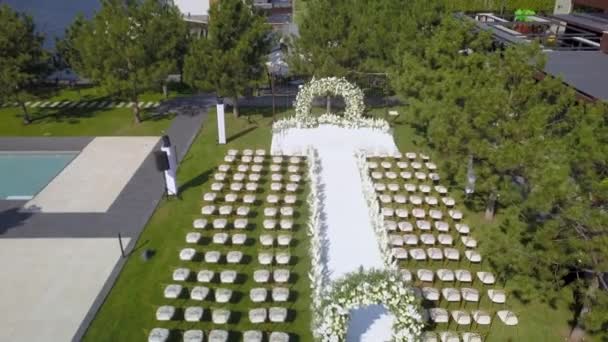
<point>351,240</point>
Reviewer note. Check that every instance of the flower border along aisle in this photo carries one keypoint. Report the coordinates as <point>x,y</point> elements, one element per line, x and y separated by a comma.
<point>370,287</point>
<point>353,113</point>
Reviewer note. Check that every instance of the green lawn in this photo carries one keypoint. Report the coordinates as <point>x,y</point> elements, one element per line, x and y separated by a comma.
<point>128,313</point>
<point>84,121</point>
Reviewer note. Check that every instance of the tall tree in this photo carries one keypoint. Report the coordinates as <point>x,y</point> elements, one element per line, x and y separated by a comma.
<point>66,47</point>
<point>234,53</point>
<point>22,59</point>
<point>130,46</point>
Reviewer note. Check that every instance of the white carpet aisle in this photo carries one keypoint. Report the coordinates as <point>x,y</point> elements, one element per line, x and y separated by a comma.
<point>351,239</point>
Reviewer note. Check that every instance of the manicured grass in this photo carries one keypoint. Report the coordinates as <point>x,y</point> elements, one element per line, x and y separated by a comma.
<point>84,121</point>
<point>129,311</point>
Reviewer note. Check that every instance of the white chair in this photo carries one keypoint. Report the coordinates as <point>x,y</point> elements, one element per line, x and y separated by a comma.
<point>471,337</point>
<point>294,160</point>
<point>220,238</point>
<point>194,335</point>
<point>254,177</point>
<point>172,291</point>
<point>193,314</point>
<point>410,155</point>
<point>434,253</point>
<point>251,186</point>
<point>246,159</point>
<point>402,213</point>
<point>286,223</point>
<point>242,211</point>
<point>217,335</point>
<point>405,175</point>
<point>260,152</point>
<point>270,212</point>
<point>434,176</point>
<point>402,165</point>
<point>442,226</point>
<point>276,177</point>
<point>217,186</point>
<point>372,165</point>
<point>435,214</point>
<point>287,211</point>
<point>277,159</point>
<point>232,152</point>
<point>229,159</point>
<point>272,199</point>
<point>187,254</point>
<point>261,276</point>
<point>430,293</point>
<point>280,294</point>
<point>208,210</point>
<point>399,253</point>
<point>438,315</point>
<point>283,258</point>
<point>390,225</point>
<point>219,316</point>
<point>209,197</point>
<point>420,175</point>
<point>425,275</point>
<point>385,199</point>
<point>291,187</point>
<point>416,165</point>
<point>427,239</point>
<point>395,240</point>
<point>219,176</point>
<point>223,295</point>
<point>418,254</point>
<point>390,175</point>
<point>257,316</point>
<point>462,228</point>
<point>193,237</point>
<point>181,274</point>
<point>455,214</point>
<point>231,198</point>
<point>220,223</point>
<point>481,317</point>
<point>448,201</point>
<point>269,224</point>
<point>380,186</point>
<point>240,223</point>
<point>451,254</point>
<point>430,166</point>
<point>423,224</point>
<point>165,313</point>
<point>275,168</point>
<point>388,212</point>
<point>158,335</point>
<point>199,293</point>
<point>463,276</point>
<point>238,178</point>
<point>405,226</point>
<point>234,257</point>
<point>451,294</point>
<point>473,256</point>
<point>430,200</point>
<point>249,199</point>
<point>258,160</point>
<point>284,240</point>
<point>386,165</point>
<point>277,336</point>
<point>497,296</point>
<point>265,258</point>
<point>281,275</point>
<point>248,152</point>
<point>292,169</point>
<point>290,199</point>
<point>486,278</point>
<point>277,314</point>
<point>258,294</point>
<point>470,294</point>
<point>212,257</point>
<point>400,199</point>
<point>205,276</point>
<point>445,239</point>
<point>228,276</point>
<point>256,168</point>
<point>377,175</point>
<point>415,200</point>
<point>419,214</point>
<point>267,240</point>
<point>468,241</point>
<point>410,239</point>
<point>445,275</point>
<point>507,317</point>
<point>199,223</point>
<point>409,187</point>
<point>461,317</point>
<point>442,190</point>
<point>393,187</point>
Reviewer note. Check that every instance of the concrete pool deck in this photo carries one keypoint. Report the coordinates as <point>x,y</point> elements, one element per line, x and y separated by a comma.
<point>95,178</point>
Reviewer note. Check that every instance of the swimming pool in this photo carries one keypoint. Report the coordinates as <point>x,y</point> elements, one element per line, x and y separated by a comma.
<point>24,174</point>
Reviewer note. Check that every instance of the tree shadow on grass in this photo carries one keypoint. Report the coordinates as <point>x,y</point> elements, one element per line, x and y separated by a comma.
<point>242,133</point>
<point>200,179</point>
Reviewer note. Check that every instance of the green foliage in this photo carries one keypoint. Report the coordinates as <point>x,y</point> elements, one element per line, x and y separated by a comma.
<point>130,47</point>
<point>234,54</point>
<point>66,47</point>
<point>22,59</point>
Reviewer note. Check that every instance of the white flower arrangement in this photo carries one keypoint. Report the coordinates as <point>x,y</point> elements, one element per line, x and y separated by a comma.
<point>353,114</point>
<point>318,269</point>
<point>365,288</point>
<point>376,217</point>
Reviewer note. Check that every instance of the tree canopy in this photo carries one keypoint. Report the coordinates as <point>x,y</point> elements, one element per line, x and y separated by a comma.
<point>234,54</point>
<point>129,47</point>
<point>22,59</point>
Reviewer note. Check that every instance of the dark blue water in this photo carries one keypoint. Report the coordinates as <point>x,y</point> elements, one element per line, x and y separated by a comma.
<point>52,17</point>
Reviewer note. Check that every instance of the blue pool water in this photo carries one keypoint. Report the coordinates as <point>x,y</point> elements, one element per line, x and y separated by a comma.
<point>23,175</point>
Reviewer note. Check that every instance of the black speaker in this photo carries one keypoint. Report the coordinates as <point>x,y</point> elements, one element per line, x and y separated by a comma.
<point>166,141</point>
<point>162,162</point>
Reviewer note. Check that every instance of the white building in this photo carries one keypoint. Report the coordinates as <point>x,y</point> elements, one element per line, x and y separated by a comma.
<point>196,14</point>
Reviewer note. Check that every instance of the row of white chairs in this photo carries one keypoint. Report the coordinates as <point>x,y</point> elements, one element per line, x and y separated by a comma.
<point>415,199</point>
<point>459,275</point>
<point>411,188</point>
<point>434,254</point>
<point>424,226</point>
<point>217,335</point>
<point>416,165</point>
<point>420,213</point>
<point>462,317</point>
<point>409,239</point>
<point>465,294</point>
<point>278,275</point>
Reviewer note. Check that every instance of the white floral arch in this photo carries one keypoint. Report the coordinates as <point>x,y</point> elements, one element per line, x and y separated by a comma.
<point>353,114</point>
<point>353,96</point>
<point>365,288</point>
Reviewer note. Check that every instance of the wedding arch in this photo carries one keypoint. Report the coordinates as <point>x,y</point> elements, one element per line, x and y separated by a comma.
<point>335,86</point>
<point>370,287</point>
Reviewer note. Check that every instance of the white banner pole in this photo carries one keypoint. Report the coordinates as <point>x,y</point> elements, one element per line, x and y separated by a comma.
<point>221,124</point>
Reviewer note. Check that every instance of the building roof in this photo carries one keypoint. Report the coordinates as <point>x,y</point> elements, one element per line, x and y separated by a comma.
<point>587,71</point>
<point>596,22</point>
